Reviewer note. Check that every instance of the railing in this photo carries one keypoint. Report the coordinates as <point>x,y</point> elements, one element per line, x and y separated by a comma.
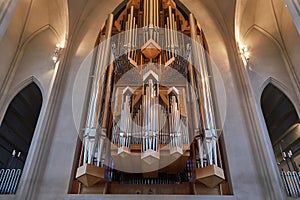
<point>291,182</point>
<point>9,180</point>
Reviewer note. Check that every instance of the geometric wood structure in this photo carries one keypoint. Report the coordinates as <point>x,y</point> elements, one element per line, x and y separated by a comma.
<point>123,151</point>
<point>90,174</point>
<point>211,176</point>
<point>151,49</point>
<point>150,156</point>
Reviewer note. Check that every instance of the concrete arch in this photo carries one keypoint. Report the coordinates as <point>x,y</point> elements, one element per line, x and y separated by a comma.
<point>282,87</point>
<point>19,88</point>
<point>40,31</point>
<point>265,33</point>
<point>276,68</point>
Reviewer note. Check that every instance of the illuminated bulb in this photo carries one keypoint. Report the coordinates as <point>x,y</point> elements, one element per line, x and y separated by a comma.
<point>54,58</point>
<point>62,44</point>
<point>247,55</point>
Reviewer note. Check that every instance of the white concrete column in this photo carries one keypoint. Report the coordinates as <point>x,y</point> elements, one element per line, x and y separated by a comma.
<point>294,8</point>
<point>7,9</point>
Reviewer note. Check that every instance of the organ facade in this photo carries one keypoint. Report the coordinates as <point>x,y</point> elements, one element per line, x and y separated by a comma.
<point>152,118</point>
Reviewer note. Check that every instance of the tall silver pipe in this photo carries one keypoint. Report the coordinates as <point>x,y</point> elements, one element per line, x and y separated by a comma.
<point>211,137</point>
<point>95,101</point>
<point>169,38</point>
<point>101,135</point>
<point>204,92</point>
<point>149,105</point>
<point>9,180</point>
<point>193,87</point>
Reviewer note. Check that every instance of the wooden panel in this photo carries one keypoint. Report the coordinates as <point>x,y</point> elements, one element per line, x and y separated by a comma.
<point>210,176</point>
<point>201,189</point>
<point>184,188</point>
<point>90,174</point>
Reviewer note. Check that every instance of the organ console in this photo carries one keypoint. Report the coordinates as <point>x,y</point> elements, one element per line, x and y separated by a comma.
<point>150,111</point>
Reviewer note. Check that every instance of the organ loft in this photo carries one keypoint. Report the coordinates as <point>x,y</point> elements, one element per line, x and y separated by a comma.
<point>152,122</point>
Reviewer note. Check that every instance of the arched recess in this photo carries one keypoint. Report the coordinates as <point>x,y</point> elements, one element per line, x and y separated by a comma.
<point>18,126</point>
<point>282,122</point>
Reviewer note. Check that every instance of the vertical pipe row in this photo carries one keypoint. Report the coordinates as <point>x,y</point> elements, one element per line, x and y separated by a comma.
<point>211,136</point>
<point>9,180</point>
<point>206,107</point>
<point>196,121</point>
<point>101,136</point>
<point>95,99</point>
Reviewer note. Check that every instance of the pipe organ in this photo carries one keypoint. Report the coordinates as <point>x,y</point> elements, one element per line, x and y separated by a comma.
<point>151,118</point>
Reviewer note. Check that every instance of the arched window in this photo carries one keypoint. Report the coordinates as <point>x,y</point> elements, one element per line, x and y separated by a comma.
<point>283,126</point>
<point>16,132</point>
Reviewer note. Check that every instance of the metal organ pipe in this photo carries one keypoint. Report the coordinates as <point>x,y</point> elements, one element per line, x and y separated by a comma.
<point>196,120</point>
<point>150,133</point>
<point>91,135</point>
<point>154,13</point>
<point>131,26</point>
<point>170,23</point>
<point>151,14</point>
<point>144,16</point>
<point>206,109</point>
<point>157,13</point>
<point>211,125</point>
<point>151,121</point>
<point>108,58</point>
<point>169,38</point>
<point>147,12</point>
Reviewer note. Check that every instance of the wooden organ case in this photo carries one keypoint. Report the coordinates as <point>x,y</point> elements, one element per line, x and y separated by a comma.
<point>150,126</point>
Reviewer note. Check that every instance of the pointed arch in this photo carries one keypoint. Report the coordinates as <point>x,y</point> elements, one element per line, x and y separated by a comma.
<point>18,125</point>
<point>17,89</point>
<point>281,118</point>
<point>282,87</point>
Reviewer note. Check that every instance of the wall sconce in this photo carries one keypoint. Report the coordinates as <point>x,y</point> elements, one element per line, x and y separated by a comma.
<point>57,52</point>
<point>245,54</point>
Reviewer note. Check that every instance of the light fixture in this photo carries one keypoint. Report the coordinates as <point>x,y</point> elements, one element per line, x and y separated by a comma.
<point>244,51</point>
<point>57,52</point>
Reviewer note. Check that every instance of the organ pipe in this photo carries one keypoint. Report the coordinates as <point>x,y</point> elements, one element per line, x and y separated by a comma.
<point>208,143</point>
<point>90,135</point>
<point>92,131</point>
<point>150,116</point>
